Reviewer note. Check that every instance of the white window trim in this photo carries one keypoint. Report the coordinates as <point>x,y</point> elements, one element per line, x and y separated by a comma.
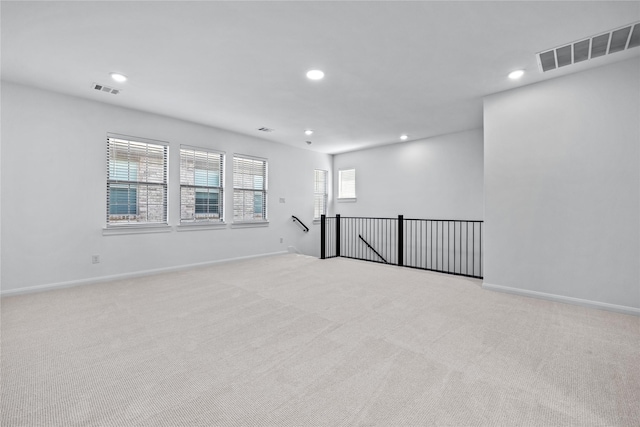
<point>250,224</point>
<point>325,193</point>
<point>145,227</point>
<point>136,229</point>
<point>208,223</point>
<point>350,198</point>
<point>263,222</point>
<point>201,226</point>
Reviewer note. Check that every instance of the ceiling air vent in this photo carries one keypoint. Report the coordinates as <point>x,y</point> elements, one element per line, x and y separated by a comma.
<point>103,88</point>
<point>263,129</point>
<point>600,45</point>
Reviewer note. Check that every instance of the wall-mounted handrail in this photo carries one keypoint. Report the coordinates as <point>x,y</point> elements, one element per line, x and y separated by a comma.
<point>371,247</point>
<point>296,219</point>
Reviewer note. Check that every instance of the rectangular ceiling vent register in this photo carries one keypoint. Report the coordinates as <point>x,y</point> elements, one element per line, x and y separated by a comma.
<point>603,44</point>
<point>107,89</point>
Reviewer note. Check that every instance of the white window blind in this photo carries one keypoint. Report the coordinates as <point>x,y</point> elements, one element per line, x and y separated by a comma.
<point>136,181</point>
<point>347,184</point>
<point>249,189</point>
<point>201,185</point>
<point>320,193</point>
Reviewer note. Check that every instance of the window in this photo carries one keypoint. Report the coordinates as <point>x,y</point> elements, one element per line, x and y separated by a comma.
<point>320,194</point>
<point>249,189</point>
<point>201,185</point>
<point>347,184</point>
<point>136,181</point>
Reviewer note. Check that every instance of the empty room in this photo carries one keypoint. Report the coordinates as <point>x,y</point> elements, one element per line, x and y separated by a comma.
<point>320,213</point>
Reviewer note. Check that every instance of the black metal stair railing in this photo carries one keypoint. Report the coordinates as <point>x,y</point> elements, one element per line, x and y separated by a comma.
<point>446,246</point>
<point>372,248</point>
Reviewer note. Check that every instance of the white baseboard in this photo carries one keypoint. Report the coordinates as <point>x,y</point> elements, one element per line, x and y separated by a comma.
<point>102,279</point>
<point>567,300</point>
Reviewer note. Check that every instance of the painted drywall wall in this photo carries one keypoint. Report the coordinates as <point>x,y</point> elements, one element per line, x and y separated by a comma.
<point>54,191</point>
<point>562,187</point>
<point>434,178</point>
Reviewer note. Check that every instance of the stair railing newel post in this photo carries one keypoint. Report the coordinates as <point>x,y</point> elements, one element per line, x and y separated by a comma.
<point>338,235</point>
<point>323,235</point>
<point>401,240</point>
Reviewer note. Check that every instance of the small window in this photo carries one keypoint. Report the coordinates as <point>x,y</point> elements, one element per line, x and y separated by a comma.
<point>136,181</point>
<point>201,185</point>
<point>249,189</point>
<point>347,184</point>
<point>320,194</point>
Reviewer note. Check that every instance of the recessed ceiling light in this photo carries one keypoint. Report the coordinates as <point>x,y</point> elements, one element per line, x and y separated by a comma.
<point>308,132</point>
<point>404,137</point>
<point>315,74</point>
<point>514,75</point>
<point>120,78</point>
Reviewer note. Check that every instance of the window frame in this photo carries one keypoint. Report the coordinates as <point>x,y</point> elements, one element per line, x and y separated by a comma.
<point>219,188</point>
<point>343,175</point>
<point>322,193</point>
<point>241,189</point>
<point>124,149</point>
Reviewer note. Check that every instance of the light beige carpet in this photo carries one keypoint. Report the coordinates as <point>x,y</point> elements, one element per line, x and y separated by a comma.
<point>296,341</point>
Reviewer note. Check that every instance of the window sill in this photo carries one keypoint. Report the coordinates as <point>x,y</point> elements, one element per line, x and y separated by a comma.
<point>136,229</point>
<point>348,200</point>
<point>250,224</point>
<point>201,226</point>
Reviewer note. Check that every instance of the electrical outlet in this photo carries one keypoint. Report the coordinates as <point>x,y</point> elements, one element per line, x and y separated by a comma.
<point>281,240</point>
<point>281,199</point>
<point>95,259</point>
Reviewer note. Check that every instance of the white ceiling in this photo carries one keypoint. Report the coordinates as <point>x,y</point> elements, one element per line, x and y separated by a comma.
<point>419,68</point>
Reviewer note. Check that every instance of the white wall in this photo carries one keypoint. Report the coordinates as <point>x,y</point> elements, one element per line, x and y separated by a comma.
<point>434,178</point>
<point>54,190</point>
<point>562,188</point>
